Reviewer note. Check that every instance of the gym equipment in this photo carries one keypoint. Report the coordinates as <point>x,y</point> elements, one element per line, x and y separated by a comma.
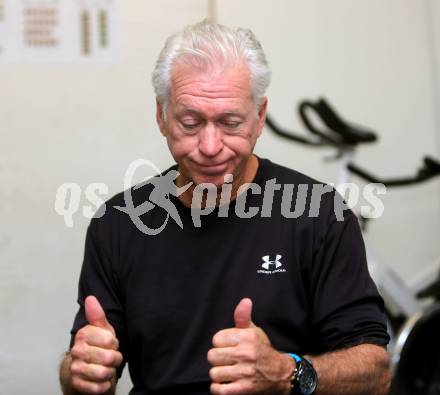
<point>414,314</point>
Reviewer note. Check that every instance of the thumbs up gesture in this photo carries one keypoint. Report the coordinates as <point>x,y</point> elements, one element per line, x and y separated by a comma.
<point>95,355</point>
<point>243,360</point>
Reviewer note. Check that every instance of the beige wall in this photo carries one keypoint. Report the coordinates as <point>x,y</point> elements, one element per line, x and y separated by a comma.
<point>433,32</point>
<point>72,123</point>
<point>83,124</point>
<point>373,60</point>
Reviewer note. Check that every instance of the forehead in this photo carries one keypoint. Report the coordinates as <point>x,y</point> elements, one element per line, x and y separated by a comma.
<point>216,86</point>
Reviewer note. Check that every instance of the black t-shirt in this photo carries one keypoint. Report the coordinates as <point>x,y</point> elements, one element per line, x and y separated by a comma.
<point>167,295</point>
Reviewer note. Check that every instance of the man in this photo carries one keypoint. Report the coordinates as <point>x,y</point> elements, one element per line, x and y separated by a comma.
<point>274,303</point>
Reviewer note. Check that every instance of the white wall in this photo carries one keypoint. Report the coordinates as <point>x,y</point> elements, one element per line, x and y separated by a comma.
<point>72,123</point>
<point>79,123</point>
<point>373,60</point>
<point>433,32</point>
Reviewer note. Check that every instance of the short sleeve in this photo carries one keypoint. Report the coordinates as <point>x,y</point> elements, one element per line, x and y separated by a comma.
<point>347,309</point>
<point>98,277</point>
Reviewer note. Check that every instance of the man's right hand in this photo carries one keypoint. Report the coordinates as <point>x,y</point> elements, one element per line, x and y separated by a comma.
<point>95,354</point>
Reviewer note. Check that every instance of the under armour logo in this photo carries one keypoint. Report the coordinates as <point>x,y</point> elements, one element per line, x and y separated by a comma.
<point>268,263</point>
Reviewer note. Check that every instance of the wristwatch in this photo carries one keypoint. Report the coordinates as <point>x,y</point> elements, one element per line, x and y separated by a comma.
<point>304,379</point>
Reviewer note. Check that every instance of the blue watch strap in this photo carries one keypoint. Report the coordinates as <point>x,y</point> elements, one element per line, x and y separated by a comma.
<point>297,358</point>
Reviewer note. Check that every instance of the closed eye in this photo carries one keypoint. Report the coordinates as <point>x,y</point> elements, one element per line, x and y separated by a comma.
<point>230,125</point>
<point>187,125</point>
<point>190,125</point>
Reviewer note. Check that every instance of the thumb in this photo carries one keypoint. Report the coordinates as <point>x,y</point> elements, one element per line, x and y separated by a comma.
<point>95,314</point>
<point>243,314</point>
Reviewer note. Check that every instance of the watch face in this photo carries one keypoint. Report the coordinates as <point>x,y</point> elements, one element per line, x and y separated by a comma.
<point>308,379</point>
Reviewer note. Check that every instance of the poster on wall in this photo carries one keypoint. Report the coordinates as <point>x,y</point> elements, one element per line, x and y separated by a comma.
<point>58,31</point>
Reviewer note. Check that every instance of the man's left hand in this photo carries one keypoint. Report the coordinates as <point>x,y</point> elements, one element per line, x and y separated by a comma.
<point>244,361</point>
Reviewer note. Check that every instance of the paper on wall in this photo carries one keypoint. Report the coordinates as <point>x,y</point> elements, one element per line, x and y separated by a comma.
<point>53,31</point>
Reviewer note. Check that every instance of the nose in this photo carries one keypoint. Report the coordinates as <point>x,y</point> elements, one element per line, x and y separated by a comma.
<point>210,140</point>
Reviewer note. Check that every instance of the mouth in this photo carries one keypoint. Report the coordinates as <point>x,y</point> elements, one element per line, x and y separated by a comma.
<point>215,168</point>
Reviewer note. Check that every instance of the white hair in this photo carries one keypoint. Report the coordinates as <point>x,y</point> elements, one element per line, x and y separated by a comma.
<point>207,45</point>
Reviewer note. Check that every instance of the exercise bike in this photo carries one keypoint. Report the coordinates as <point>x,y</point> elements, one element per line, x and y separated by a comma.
<point>413,317</point>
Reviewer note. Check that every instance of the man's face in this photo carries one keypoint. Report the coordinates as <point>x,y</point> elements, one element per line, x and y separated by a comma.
<point>211,124</point>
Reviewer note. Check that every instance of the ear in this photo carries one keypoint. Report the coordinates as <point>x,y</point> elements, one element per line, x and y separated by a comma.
<point>262,115</point>
<point>160,118</point>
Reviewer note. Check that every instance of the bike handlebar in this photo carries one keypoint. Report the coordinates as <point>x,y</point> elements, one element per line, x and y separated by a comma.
<point>293,136</point>
<point>339,134</point>
<point>345,136</point>
<point>339,131</point>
